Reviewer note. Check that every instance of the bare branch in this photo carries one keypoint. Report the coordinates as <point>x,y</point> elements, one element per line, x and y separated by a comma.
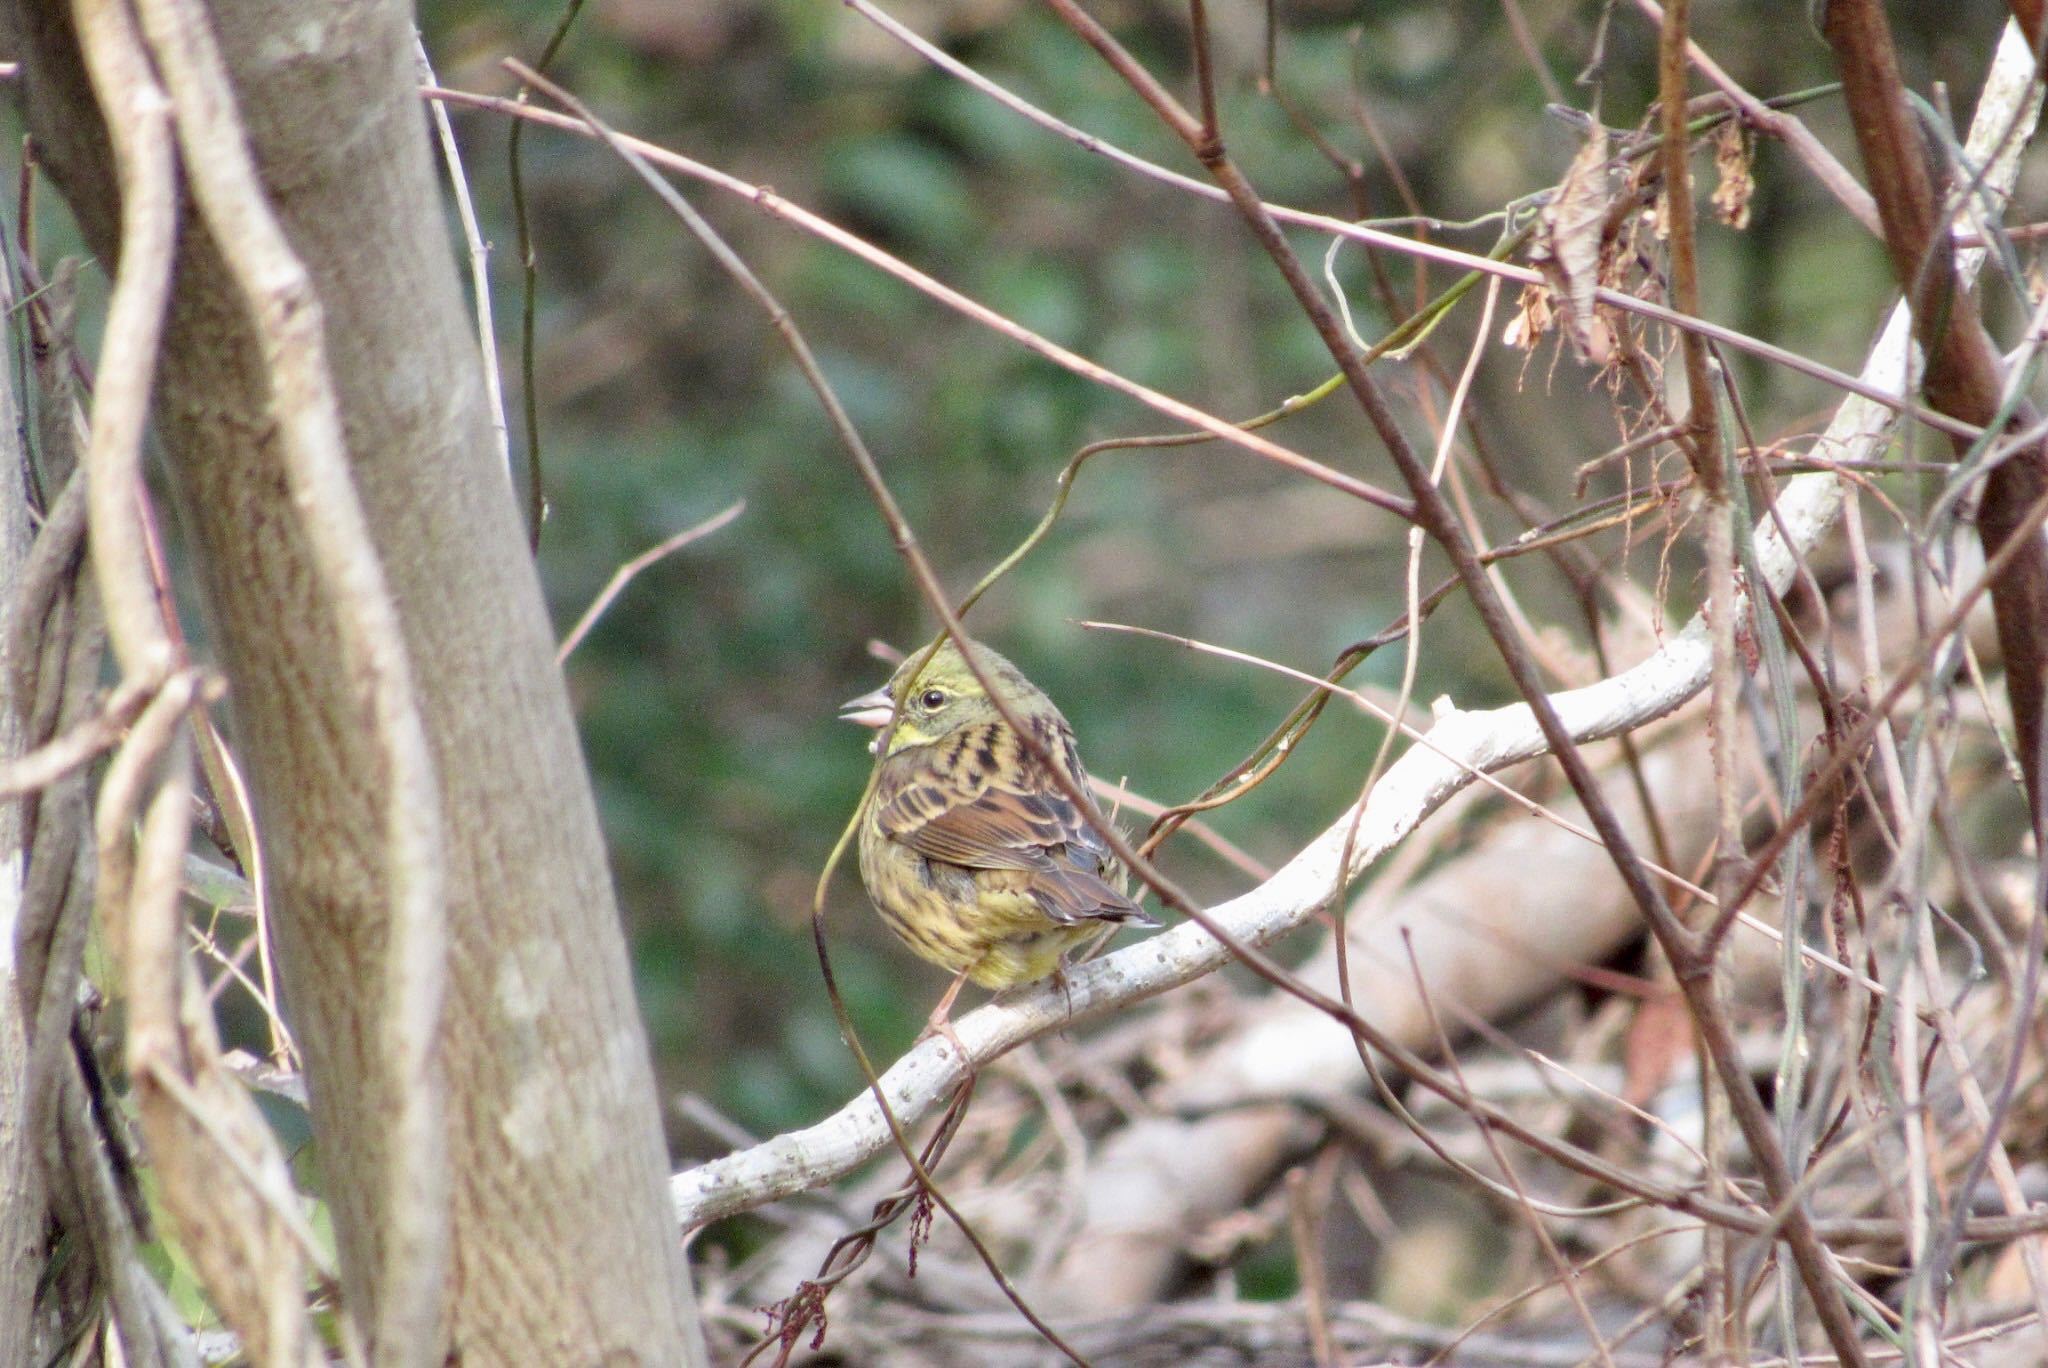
<point>1461,743</point>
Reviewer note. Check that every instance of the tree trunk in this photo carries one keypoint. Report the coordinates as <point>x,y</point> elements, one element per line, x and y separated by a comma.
<point>22,1209</point>
<point>562,1246</point>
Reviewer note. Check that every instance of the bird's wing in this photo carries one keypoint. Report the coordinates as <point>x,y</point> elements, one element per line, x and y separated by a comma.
<point>975,800</point>
<point>970,800</point>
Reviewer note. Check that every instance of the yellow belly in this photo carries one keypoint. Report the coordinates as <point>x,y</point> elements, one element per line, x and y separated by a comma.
<point>1027,959</point>
<point>974,922</point>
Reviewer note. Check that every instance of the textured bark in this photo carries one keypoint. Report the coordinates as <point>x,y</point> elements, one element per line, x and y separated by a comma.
<point>563,1248</point>
<point>21,1190</point>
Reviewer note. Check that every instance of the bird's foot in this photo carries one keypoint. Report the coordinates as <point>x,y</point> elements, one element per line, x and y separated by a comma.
<point>940,1023</point>
<point>942,1027</point>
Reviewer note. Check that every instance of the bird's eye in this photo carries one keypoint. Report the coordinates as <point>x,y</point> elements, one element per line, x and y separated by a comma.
<point>932,700</point>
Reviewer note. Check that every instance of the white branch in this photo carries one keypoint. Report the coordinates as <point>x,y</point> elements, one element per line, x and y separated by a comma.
<point>1460,745</point>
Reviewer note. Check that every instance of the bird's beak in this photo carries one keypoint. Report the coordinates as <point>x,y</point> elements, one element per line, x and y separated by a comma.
<point>869,710</point>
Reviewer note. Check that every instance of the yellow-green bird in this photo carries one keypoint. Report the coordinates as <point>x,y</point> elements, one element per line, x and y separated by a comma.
<point>971,851</point>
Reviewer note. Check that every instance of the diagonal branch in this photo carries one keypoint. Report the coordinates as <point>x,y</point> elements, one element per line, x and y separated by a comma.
<point>1692,967</point>
<point>1965,378</point>
<point>1461,744</point>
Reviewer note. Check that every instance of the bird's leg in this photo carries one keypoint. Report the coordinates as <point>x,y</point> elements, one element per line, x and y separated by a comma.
<point>940,1023</point>
<point>1059,980</point>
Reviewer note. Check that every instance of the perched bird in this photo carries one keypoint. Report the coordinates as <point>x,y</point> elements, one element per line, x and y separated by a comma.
<point>971,851</point>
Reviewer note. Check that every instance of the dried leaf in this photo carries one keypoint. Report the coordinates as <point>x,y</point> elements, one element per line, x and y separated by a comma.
<point>1659,1039</point>
<point>1732,158</point>
<point>2007,1281</point>
<point>1571,241</point>
<point>1533,318</point>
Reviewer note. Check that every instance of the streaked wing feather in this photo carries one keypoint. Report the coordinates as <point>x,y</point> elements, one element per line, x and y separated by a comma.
<point>1070,895</point>
<point>977,816</point>
<point>968,817</point>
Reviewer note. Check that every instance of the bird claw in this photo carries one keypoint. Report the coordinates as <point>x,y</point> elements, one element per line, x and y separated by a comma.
<point>942,1028</point>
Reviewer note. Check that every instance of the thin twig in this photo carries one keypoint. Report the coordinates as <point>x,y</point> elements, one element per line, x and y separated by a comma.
<point>778,206</point>
<point>626,573</point>
<point>479,263</point>
<point>1436,517</point>
<point>906,543</point>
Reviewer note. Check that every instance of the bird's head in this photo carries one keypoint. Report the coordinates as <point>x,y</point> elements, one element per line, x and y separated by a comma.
<point>943,698</point>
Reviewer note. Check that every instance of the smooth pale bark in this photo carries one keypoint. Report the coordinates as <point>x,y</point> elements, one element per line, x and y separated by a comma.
<point>564,1249</point>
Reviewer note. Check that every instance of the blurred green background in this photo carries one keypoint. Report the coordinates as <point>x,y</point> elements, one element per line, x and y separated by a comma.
<point>707,692</point>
